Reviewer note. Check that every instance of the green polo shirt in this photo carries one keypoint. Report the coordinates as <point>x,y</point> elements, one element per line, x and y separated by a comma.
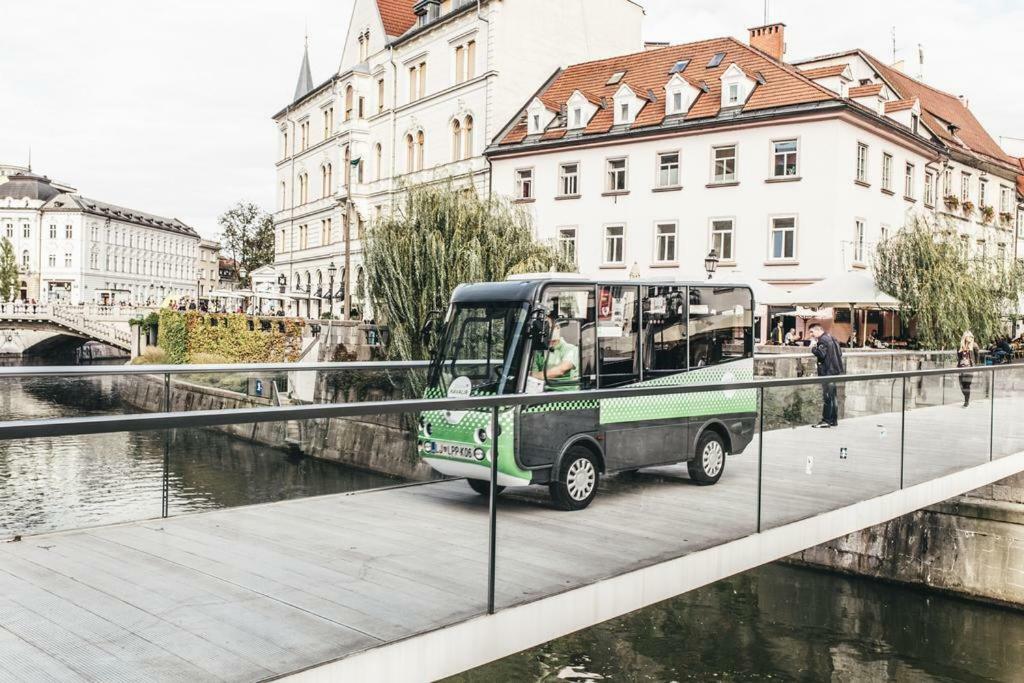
<point>562,352</point>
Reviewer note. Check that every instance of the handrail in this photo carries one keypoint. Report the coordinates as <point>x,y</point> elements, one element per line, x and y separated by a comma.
<point>209,418</point>
<point>97,370</point>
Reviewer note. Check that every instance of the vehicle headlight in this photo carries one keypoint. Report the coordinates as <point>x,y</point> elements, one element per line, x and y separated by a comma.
<point>481,435</point>
<point>478,454</point>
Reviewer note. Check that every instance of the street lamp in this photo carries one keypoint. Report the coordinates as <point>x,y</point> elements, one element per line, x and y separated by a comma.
<point>711,263</point>
<point>331,270</point>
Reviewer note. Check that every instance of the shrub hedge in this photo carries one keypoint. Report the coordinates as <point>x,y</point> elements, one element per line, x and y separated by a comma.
<point>190,336</point>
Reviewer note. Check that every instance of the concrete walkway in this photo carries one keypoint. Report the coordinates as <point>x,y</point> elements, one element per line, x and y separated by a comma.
<point>262,591</point>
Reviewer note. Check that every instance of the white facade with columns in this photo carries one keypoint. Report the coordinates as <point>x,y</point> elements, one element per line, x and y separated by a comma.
<point>415,100</point>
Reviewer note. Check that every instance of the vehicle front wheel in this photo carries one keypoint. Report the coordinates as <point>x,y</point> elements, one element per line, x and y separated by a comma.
<point>709,462</point>
<point>482,486</point>
<point>576,484</point>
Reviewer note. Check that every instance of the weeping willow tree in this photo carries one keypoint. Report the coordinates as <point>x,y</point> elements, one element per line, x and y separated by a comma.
<point>440,238</point>
<point>947,287</point>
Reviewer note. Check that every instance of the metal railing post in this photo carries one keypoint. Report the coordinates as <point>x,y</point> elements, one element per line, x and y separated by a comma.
<point>903,428</point>
<point>492,540</point>
<point>166,488</point>
<point>760,460</point>
<point>992,414</point>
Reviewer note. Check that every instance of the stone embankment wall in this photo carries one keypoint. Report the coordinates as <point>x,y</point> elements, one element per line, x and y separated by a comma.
<point>972,545</point>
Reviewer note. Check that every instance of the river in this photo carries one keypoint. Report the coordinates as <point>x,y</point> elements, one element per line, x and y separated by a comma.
<point>80,481</point>
<point>774,623</point>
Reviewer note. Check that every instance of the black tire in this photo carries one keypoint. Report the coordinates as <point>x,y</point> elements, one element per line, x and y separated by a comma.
<point>483,487</point>
<point>575,486</point>
<point>708,462</point>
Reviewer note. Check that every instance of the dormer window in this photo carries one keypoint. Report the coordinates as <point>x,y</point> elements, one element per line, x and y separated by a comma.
<point>624,111</point>
<point>577,117</point>
<point>535,125</point>
<point>538,117</point>
<point>733,93</point>
<point>736,86</point>
<point>915,121</point>
<point>627,106</point>
<point>677,102</point>
<point>679,95</point>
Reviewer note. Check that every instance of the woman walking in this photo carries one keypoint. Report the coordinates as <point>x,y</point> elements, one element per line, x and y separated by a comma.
<point>966,358</point>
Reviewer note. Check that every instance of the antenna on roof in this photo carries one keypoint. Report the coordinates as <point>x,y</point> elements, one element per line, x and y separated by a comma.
<point>920,62</point>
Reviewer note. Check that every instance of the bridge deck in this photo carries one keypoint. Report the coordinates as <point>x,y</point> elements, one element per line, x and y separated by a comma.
<point>262,591</point>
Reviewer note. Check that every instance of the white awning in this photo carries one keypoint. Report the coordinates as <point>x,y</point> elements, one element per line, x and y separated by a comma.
<point>852,289</point>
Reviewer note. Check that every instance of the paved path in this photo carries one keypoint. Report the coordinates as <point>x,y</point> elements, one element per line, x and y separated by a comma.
<point>255,592</point>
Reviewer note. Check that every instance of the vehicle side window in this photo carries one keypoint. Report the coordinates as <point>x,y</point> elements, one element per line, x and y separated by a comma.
<point>572,310</point>
<point>617,334</point>
<point>720,325</point>
<point>664,320</point>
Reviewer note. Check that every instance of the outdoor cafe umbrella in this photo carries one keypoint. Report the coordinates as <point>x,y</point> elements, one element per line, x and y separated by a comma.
<point>853,289</point>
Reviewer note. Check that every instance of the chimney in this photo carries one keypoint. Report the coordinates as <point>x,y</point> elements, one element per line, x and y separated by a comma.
<point>769,39</point>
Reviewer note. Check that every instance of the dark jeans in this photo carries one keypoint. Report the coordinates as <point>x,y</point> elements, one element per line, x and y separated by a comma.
<point>830,407</point>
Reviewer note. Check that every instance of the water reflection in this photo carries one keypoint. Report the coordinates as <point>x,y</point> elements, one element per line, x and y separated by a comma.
<point>73,482</point>
<point>785,623</point>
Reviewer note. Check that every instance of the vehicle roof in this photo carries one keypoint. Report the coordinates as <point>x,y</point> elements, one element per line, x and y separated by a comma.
<point>528,290</point>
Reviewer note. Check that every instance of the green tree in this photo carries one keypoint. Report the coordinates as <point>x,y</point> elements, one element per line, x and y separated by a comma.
<point>944,287</point>
<point>8,271</point>
<point>247,234</point>
<point>440,238</point>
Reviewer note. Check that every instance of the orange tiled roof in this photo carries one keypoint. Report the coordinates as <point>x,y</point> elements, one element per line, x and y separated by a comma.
<point>865,90</point>
<point>1020,177</point>
<point>825,71</point>
<point>899,105</point>
<point>783,85</point>
<point>938,109</point>
<point>397,15</point>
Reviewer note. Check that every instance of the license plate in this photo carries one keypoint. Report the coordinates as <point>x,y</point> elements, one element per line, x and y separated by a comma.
<point>453,450</point>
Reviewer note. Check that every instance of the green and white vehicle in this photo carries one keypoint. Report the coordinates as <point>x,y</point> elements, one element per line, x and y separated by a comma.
<point>563,334</point>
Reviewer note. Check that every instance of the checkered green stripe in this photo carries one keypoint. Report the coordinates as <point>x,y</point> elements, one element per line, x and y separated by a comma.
<point>563,405</point>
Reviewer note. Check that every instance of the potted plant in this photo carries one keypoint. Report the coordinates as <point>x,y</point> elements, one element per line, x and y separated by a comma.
<point>967,207</point>
<point>952,202</point>
<point>987,213</point>
<point>1006,218</point>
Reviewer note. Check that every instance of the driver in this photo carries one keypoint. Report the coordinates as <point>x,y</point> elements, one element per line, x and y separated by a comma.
<point>559,367</point>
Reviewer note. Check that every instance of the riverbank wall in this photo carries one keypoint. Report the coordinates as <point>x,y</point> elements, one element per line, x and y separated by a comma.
<point>971,546</point>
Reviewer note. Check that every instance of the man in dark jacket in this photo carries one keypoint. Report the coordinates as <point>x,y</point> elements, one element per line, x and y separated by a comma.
<point>830,363</point>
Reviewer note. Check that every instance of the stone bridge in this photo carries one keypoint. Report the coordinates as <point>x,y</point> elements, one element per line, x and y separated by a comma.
<point>28,328</point>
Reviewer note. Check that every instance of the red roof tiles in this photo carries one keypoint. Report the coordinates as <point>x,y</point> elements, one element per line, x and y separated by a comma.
<point>397,15</point>
<point>649,70</point>
<point>825,71</point>
<point>865,90</point>
<point>939,109</point>
<point>899,105</point>
<point>1020,177</point>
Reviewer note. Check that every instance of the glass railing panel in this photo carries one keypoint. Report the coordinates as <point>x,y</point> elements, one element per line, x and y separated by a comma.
<point>1008,425</point>
<point>809,468</point>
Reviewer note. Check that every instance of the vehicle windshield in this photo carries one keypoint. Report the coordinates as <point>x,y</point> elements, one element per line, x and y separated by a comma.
<point>481,343</point>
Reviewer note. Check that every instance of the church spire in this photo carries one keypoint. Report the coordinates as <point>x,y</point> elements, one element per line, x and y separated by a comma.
<point>305,83</point>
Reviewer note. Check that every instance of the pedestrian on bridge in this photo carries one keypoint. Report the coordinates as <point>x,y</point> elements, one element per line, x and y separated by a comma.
<point>966,357</point>
<point>830,363</point>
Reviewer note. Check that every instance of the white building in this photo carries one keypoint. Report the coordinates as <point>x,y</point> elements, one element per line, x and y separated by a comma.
<point>207,267</point>
<point>74,249</point>
<point>421,87</point>
<point>644,163</point>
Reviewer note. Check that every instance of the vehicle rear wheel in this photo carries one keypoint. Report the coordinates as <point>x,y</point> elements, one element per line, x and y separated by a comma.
<point>482,486</point>
<point>576,484</point>
<point>709,460</point>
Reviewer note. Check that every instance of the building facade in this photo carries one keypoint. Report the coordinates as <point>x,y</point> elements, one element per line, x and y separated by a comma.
<point>73,249</point>
<point>422,86</point>
<point>207,267</point>
<point>643,164</point>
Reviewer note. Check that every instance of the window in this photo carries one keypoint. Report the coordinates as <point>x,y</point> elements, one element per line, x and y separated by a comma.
<point>467,131</point>
<point>914,123</point>
<point>470,59</point>
<point>378,159</point>
<point>887,172</point>
<point>577,117</point>
<point>724,164</point>
<point>380,95</point>
<point>1005,200</point>
<point>53,232</point>
<point>665,242</point>
<point>883,233</point>
<point>567,244</point>
<point>24,258</point>
<point>410,154</point>
<point>947,182</point>
<point>303,188</point>
<point>304,132</point>
<point>413,82</point>
<point>784,154</point>
<point>51,260</point>
<point>456,140</point>
<point>10,230</point>
<point>664,310</point>
<point>69,232</point>
<point>982,192</point>
<point>862,162</point>
<point>616,175</point>
<point>733,96</point>
<point>782,240</point>
<point>420,144</point>
<point>460,64</point>
<point>908,181</point>
<point>67,259</point>
<point>668,169</point>
<point>524,183</point>
<point>349,102</point>
<point>720,325</point>
<point>677,102</point>
<point>423,79</point>
<point>965,187</point>
<point>624,112</point>
<point>328,122</point>
<point>325,231</point>
<point>614,241</point>
<point>722,238</point>
<point>929,188</point>
<point>326,181</point>
<point>284,143</point>
<point>858,241</point>
<point>569,180</point>
<point>303,236</point>
<point>618,334</point>
<point>362,107</point>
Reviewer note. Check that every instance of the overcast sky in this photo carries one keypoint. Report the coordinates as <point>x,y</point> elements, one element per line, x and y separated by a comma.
<point>165,106</point>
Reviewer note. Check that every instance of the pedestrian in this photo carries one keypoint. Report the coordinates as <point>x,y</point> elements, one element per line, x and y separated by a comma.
<point>778,335</point>
<point>830,363</point>
<point>966,357</point>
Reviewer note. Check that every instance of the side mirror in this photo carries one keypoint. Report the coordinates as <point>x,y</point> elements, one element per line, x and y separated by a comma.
<point>540,329</point>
